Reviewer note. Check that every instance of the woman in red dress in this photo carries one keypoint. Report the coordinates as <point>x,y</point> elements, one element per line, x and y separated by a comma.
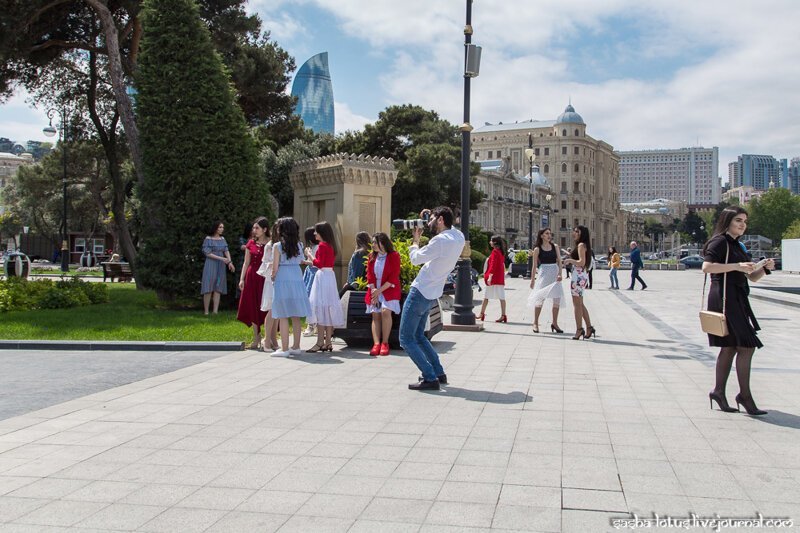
<point>251,284</point>
<point>385,290</point>
<point>495,278</point>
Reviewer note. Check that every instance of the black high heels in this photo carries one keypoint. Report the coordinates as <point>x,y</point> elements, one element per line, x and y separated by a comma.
<point>722,402</point>
<point>578,334</point>
<point>749,405</point>
<point>592,333</point>
<point>556,329</point>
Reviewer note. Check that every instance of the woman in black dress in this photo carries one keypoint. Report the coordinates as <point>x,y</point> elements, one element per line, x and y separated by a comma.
<point>741,341</point>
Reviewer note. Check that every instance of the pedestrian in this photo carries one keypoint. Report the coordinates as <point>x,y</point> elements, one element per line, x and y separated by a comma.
<point>383,291</point>
<point>438,258</point>
<point>546,278</point>
<point>580,258</point>
<point>494,277</point>
<point>251,284</point>
<point>309,273</point>
<point>613,263</point>
<point>289,298</point>
<point>730,269</point>
<point>357,267</point>
<point>270,325</point>
<point>636,264</point>
<point>218,259</point>
<point>326,308</point>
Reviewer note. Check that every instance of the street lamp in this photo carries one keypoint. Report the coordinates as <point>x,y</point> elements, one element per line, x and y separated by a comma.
<point>50,131</point>
<point>463,314</point>
<point>531,156</point>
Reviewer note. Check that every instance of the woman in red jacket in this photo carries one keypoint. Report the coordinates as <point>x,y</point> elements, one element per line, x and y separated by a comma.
<point>326,309</point>
<point>495,278</point>
<point>384,290</point>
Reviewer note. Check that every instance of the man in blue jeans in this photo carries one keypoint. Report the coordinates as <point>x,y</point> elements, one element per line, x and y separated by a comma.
<point>636,264</point>
<point>438,258</point>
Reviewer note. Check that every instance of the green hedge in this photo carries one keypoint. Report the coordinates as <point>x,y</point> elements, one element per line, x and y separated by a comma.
<point>22,295</point>
<point>477,260</point>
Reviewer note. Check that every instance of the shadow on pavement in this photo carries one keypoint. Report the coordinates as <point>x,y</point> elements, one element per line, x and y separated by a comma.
<point>483,395</point>
<point>779,418</point>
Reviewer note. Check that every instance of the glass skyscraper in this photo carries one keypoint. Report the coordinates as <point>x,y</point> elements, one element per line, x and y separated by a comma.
<point>314,91</point>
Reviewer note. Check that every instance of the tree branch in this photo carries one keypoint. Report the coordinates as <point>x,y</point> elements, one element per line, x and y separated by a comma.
<point>68,45</point>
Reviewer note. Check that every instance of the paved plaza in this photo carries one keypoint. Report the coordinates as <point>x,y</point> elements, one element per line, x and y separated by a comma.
<point>534,433</point>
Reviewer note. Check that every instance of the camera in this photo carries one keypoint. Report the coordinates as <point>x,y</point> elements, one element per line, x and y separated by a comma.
<point>413,223</point>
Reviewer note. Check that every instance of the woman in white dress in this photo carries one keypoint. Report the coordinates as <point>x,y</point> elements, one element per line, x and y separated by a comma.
<point>265,270</point>
<point>545,278</point>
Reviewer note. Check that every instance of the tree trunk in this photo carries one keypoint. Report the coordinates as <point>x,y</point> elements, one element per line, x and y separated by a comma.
<point>117,75</point>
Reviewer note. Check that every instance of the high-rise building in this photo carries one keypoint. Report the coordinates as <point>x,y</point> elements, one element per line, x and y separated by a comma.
<point>794,175</point>
<point>759,171</point>
<point>733,174</point>
<point>314,91</point>
<point>688,175</point>
<point>582,173</point>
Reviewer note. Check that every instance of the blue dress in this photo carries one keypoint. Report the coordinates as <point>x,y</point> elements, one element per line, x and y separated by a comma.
<point>289,296</point>
<point>214,270</point>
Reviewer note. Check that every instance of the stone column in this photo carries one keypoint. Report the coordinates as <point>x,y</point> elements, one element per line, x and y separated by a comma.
<point>351,192</point>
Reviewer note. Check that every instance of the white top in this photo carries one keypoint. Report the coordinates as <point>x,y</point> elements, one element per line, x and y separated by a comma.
<point>439,258</point>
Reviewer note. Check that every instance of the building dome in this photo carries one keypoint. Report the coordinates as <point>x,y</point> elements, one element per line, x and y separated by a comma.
<point>569,116</point>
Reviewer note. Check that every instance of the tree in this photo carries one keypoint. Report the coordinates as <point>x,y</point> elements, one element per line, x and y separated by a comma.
<point>793,231</point>
<point>427,153</point>
<point>772,213</point>
<point>693,227</point>
<point>200,160</point>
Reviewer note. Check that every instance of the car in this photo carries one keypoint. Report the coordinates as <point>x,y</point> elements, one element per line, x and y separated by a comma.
<point>692,261</point>
<point>600,261</point>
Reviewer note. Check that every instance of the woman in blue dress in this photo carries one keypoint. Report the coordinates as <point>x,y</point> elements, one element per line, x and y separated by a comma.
<point>218,258</point>
<point>289,299</point>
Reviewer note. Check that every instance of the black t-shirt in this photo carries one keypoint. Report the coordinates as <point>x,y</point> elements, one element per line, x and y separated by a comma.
<point>716,249</point>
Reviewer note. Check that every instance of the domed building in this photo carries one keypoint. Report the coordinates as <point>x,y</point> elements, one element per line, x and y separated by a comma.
<point>581,172</point>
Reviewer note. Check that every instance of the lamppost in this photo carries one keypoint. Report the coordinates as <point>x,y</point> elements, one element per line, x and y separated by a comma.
<point>50,131</point>
<point>531,158</point>
<point>463,314</point>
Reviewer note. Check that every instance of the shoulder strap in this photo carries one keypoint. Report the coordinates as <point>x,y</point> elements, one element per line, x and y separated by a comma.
<point>724,283</point>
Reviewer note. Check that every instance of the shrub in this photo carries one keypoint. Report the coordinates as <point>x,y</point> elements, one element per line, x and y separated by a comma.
<point>521,257</point>
<point>22,295</point>
<point>407,271</point>
<point>478,260</point>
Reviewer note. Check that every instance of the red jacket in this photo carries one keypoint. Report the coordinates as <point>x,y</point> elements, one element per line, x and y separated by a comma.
<point>391,273</point>
<point>325,257</point>
<point>496,267</point>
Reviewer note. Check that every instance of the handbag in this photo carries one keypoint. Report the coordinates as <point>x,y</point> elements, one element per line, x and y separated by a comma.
<point>712,322</point>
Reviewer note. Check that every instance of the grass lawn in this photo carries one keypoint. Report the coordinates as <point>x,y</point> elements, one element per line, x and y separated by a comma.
<point>71,272</point>
<point>130,315</point>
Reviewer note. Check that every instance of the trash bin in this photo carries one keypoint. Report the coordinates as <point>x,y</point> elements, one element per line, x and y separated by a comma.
<point>17,265</point>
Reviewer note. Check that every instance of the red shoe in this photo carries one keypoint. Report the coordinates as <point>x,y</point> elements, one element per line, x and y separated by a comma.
<point>384,348</point>
<point>482,316</point>
<point>376,349</point>
<point>502,319</point>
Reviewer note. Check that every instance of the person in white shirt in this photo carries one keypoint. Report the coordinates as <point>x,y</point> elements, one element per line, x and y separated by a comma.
<point>438,258</point>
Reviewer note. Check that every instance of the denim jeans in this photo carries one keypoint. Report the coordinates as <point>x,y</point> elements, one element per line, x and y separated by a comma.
<point>614,279</point>
<point>412,335</point>
<point>634,276</point>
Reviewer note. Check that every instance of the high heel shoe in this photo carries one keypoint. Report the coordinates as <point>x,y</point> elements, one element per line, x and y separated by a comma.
<point>591,333</point>
<point>327,348</point>
<point>536,328</point>
<point>482,316</point>
<point>722,402</point>
<point>316,348</point>
<point>749,405</point>
<point>503,319</point>
<point>578,334</point>
<point>556,329</point>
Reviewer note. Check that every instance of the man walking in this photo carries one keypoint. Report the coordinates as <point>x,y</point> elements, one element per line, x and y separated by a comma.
<point>438,258</point>
<point>636,264</point>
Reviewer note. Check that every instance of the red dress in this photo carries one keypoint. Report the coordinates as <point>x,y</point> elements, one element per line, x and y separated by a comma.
<point>250,312</point>
<point>496,267</point>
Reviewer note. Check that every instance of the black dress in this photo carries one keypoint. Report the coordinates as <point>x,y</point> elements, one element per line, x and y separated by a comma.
<point>742,323</point>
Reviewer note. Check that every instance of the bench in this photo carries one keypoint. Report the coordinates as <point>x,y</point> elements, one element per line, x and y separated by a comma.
<point>121,271</point>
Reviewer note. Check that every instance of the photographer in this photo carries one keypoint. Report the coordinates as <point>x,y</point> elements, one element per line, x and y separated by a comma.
<point>438,258</point>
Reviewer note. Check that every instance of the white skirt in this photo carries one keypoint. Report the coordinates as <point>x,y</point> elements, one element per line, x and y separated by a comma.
<point>269,290</point>
<point>383,303</point>
<point>326,307</point>
<point>546,286</point>
<point>495,292</point>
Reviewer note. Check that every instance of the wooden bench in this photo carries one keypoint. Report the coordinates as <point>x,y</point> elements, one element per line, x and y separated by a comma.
<point>121,271</point>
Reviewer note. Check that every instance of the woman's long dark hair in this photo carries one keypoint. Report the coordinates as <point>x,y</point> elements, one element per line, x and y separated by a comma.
<point>612,252</point>
<point>384,241</point>
<point>308,236</point>
<point>584,238</point>
<point>497,242</point>
<point>325,230</point>
<point>264,224</point>
<point>362,241</point>
<point>726,216</point>
<point>540,241</point>
<point>214,227</point>
<point>290,236</point>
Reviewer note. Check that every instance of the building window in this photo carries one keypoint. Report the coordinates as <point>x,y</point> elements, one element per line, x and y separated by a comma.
<point>477,155</point>
<point>563,242</point>
<point>563,167</point>
<point>563,186</point>
<point>577,133</point>
<point>547,151</point>
<point>499,154</point>
<point>575,204</point>
<point>536,151</point>
<point>577,167</point>
<point>563,204</point>
<point>80,245</point>
<point>563,150</point>
<point>547,169</point>
<point>576,223</point>
<point>563,223</point>
<point>489,156</point>
<point>576,187</point>
<point>564,133</point>
<point>576,151</point>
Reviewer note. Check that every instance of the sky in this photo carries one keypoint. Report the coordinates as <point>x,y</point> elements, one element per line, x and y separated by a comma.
<point>654,74</point>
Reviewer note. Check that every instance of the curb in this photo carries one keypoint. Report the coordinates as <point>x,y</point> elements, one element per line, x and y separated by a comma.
<point>780,301</point>
<point>143,346</point>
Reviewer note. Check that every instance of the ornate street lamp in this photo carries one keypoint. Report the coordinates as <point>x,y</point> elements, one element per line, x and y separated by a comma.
<point>531,156</point>
<point>50,131</point>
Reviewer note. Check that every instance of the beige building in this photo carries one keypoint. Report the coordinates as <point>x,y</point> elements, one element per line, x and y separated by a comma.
<point>582,172</point>
<point>9,163</point>
<point>741,194</point>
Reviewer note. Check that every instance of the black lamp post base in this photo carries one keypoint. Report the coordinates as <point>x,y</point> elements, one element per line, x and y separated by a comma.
<point>463,314</point>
